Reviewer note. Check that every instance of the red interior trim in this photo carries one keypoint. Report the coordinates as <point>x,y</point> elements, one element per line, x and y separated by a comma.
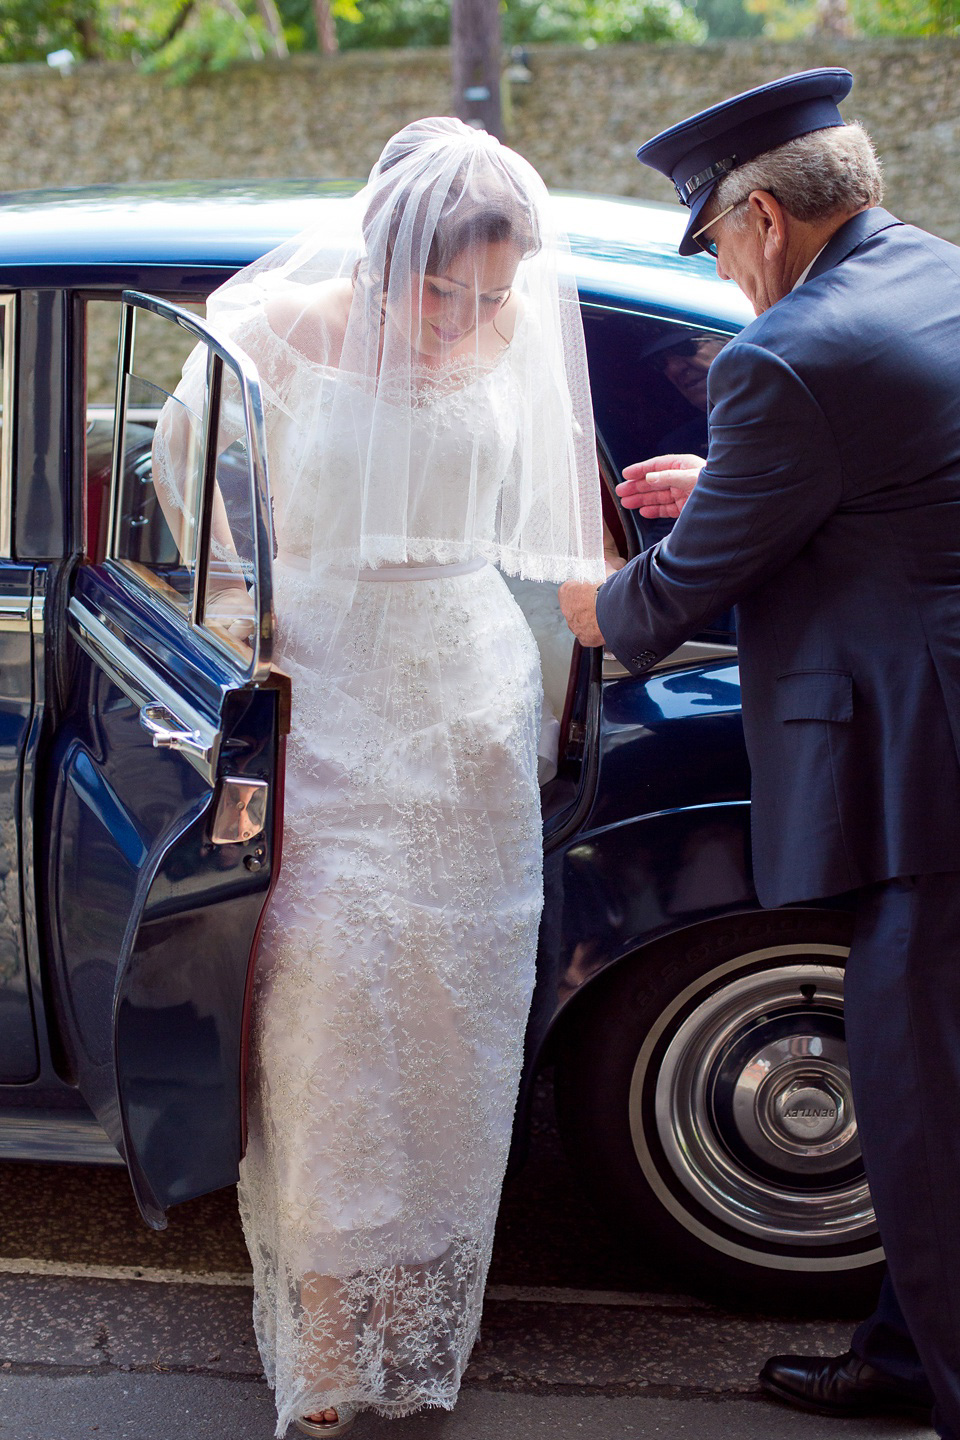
<point>278,796</point>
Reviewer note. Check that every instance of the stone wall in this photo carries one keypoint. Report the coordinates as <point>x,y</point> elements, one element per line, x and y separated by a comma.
<point>579,119</point>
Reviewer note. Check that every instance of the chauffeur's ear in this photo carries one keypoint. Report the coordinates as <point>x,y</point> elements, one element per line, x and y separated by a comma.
<point>771,220</point>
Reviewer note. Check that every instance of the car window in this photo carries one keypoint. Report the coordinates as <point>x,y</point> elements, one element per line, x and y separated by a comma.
<point>649,381</point>
<point>156,508</point>
<point>152,524</point>
<point>230,571</point>
<point>101,329</point>
<point>7,331</point>
<point>648,376</point>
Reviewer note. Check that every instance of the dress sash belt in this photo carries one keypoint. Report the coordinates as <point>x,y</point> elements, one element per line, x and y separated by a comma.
<point>423,572</point>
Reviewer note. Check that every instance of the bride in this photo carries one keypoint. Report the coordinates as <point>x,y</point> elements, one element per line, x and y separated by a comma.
<point>428,420</point>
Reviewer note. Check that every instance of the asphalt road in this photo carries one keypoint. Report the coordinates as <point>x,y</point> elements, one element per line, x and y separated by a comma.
<point>110,1330</point>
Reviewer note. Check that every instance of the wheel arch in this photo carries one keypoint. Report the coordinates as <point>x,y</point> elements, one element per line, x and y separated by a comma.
<point>612,892</point>
<point>711,932</point>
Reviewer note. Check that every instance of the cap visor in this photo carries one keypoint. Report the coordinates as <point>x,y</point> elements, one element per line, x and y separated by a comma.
<point>689,246</point>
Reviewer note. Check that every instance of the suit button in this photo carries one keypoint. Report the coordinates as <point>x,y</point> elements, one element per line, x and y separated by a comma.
<point>644,660</point>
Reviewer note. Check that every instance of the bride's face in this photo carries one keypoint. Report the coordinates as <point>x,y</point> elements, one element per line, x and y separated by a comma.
<point>464,300</point>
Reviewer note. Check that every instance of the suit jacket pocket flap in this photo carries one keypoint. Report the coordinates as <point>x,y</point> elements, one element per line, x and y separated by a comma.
<point>815,695</point>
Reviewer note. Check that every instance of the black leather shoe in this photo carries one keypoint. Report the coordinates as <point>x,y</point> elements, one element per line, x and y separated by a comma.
<point>840,1385</point>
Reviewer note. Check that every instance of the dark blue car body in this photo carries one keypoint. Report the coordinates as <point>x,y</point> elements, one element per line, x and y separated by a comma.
<point>127,929</point>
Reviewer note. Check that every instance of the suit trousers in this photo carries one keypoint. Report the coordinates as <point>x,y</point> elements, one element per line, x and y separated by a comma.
<point>902,1006</point>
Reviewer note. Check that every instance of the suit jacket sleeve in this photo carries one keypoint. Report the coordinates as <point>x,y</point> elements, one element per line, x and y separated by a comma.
<point>772,477</point>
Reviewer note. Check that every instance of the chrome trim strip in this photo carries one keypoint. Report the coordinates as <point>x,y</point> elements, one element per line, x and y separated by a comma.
<point>8,307</point>
<point>612,668</point>
<point>65,1138</point>
<point>692,652</point>
<point>128,320</point>
<point>16,614</point>
<point>208,481</point>
<point>33,836</point>
<point>142,685</point>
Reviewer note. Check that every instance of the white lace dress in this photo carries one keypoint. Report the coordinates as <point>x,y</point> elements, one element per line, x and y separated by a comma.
<point>397,960</point>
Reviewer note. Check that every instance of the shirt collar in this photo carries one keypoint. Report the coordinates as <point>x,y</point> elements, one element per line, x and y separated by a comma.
<point>803,275</point>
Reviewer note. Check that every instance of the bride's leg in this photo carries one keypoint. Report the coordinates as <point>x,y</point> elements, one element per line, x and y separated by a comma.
<point>329,1328</point>
<point>326,1334</point>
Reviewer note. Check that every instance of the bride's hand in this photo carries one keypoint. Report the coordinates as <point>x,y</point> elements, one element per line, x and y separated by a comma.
<point>231,610</point>
<point>659,488</point>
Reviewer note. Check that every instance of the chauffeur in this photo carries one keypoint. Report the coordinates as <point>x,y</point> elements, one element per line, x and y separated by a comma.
<point>828,509</point>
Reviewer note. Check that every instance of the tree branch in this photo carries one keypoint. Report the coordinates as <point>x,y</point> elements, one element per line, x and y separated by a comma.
<point>180,19</point>
<point>233,10</point>
<point>270,15</point>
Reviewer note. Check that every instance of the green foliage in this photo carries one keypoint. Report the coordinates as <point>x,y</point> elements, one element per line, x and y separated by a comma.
<point>180,36</point>
<point>31,29</point>
<point>389,23</point>
<point>906,17</point>
<point>392,24</point>
<point>784,19</point>
<point>300,21</point>
<point>789,19</point>
<point>727,19</point>
<point>184,37</point>
<point>599,22</point>
<point>212,41</point>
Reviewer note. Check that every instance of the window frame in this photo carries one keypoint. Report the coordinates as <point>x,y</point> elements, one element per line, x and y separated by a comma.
<point>706,645</point>
<point>8,392</point>
<point>219,355</point>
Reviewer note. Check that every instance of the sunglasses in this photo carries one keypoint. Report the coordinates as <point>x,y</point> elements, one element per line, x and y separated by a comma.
<point>709,247</point>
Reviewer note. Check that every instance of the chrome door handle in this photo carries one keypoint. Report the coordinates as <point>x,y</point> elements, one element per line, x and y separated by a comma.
<point>168,732</point>
<point>240,813</point>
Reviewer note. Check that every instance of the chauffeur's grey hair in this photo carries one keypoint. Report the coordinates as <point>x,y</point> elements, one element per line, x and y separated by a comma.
<point>828,172</point>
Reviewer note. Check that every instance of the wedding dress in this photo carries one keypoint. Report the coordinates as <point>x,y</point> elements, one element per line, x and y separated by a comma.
<point>397,960</point>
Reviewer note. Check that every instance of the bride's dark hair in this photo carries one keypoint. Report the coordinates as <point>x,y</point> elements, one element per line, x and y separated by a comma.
<point>480,203</point>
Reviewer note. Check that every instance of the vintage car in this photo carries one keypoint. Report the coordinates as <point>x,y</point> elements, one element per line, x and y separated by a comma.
<point>697,1041</point>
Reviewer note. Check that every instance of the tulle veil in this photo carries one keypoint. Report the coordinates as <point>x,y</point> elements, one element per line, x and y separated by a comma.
<point>340,326</point>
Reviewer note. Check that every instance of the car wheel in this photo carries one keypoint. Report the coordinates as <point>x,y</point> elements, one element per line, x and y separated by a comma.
<point>703,1089</point>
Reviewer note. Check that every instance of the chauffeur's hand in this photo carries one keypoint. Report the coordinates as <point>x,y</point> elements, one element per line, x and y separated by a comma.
<point>578,601</point>
<point>659,488</point>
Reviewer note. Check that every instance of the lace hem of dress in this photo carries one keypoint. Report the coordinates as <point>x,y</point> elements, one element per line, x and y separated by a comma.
<point>394,1340</point>
<point>385,551</point>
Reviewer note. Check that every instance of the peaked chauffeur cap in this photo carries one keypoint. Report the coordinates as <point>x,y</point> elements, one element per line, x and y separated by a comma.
<point>698,152</point>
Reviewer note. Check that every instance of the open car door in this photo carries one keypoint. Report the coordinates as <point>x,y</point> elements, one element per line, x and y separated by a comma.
<point>163,815</point>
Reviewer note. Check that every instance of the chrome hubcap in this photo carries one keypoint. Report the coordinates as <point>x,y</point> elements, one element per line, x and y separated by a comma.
<point>754,1111</point>
<point>793,1107</point>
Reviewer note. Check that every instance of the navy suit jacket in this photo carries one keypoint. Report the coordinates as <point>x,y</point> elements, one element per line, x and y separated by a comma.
<point>829,512</point>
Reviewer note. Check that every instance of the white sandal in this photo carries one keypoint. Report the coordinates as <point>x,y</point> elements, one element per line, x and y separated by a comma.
<point>346,1414</point>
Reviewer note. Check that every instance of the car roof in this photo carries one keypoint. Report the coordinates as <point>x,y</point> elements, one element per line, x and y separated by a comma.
<point>624,251</point>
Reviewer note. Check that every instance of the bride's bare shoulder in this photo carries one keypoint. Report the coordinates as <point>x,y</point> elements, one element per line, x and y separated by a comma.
<point>508,319</point>
<point>499,333</point>
<point>313,318</point>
